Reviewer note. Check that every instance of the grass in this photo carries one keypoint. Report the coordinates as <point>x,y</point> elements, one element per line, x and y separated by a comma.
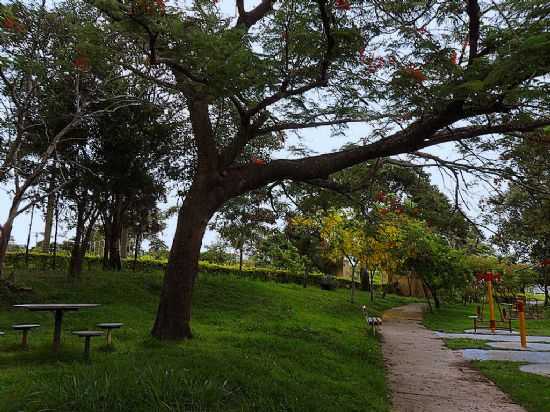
<point>463,343</point>
<point>256,346</point>
<point>454,318</point>
<point>530,391</point>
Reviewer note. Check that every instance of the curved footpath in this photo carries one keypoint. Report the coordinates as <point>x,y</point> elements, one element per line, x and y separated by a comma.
<point>424,376</point>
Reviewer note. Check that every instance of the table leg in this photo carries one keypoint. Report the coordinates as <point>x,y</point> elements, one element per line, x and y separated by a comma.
<point>57,330</point>
<point>87,348</point>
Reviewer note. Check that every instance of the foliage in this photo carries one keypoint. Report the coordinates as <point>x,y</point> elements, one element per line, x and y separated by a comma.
<point>217,253</point>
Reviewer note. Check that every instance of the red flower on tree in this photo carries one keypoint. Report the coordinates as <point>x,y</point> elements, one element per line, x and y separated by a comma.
<point>416,74</point>
<point>380,196</point>
<point>9,23</point>
<point>82,63</point>
<point>343,4</point>
<point>454,57</point>
<point>258,162</point>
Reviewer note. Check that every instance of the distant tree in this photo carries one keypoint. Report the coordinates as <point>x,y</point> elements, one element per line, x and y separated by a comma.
<point>217,253</point>
<point>520,212</point>
<point>244,221</point>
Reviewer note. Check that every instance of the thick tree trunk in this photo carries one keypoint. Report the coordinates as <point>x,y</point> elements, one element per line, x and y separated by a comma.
<point>5,233</point>
<point>48,225</point>
<point>174,311</point>
<point>114,261</point>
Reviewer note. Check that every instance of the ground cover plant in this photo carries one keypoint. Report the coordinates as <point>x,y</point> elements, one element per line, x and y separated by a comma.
<point>258,346</point>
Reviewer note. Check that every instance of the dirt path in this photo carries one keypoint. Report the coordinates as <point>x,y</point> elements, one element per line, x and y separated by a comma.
<point>426,377</point>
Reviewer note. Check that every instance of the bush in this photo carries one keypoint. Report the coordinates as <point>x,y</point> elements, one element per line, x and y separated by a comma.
<point>42,261</point>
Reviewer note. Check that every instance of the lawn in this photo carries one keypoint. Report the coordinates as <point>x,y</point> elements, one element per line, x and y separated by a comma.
<point>454,318</point>
<point>257,346</point>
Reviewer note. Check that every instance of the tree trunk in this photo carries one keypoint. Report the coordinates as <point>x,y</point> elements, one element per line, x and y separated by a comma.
<point>306,272</point>
<point>240,260</point>
<point>365,280</point>
<point>106,240</point>
<point>48,225</point>
<point>5,234</point>
<point>56,214</point>
<point>27,245</point>
<point>75,264</point>
<point>174,311</point>
<point>114,261</point>
<point>124,242</point>
<point>352,284</point>
<point>546,295</point>
<point>372,273</point>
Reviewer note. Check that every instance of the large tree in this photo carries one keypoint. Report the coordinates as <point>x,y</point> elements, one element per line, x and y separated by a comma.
<point>416,74</point>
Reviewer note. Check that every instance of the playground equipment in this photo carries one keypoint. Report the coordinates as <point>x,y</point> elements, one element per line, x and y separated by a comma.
<point>522,329</point>
<point>489,278</point>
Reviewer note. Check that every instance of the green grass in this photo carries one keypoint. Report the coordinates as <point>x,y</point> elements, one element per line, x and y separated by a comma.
<point>463,343</point>
<point>530,391</point>
<point>257,346</point>
<point>454,318</point>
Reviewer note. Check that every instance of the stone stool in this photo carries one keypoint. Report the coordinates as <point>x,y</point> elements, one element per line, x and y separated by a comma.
<point>87,335</point>
<point>109,328</point>
<point>25,328</point>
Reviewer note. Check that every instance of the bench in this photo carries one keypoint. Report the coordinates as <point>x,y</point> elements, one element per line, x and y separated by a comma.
<point>506,324</point>
<point>372,321</point>
<point>25,328</point>
<point>109,328</point>
<point>87,335</point>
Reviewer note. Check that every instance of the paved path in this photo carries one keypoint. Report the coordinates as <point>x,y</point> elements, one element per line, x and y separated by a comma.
<point>426,377</point>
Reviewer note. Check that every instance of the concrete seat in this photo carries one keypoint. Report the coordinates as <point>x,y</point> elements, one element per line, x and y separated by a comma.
<point>109,328</point>
<point>25,328</point>
<point>87,335</point>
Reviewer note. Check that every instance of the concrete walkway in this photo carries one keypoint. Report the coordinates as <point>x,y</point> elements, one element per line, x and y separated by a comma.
<point>426,377</point>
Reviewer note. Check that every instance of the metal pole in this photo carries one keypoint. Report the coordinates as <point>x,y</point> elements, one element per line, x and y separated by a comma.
<point>522,327</point>
<point>492,321</point>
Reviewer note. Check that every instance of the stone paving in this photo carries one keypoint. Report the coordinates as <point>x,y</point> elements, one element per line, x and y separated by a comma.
<point>538,347</point>
<point>506,355</point>
<point>507,348</point>
<point>537,368</point>
<point>492,338</point>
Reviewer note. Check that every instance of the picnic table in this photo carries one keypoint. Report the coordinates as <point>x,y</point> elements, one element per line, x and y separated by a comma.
<point>58,309</point>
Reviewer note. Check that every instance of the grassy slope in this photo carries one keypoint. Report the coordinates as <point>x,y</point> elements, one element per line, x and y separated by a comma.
<point>530,391</point>
<point>257,346</point>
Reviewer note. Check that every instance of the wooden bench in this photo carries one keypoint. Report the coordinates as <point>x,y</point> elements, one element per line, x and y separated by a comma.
<point>372,321</point>
<point>87,335</point>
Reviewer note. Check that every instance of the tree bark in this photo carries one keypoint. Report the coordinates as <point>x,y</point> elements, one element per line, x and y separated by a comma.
<point>124,242</point>
<point>352,284</point>
<point>546,295</point>
<point>174,311</point>
<point>114,261</point>
<point>5,234</point>
<point>48,225</point>
<point>75,264</point>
